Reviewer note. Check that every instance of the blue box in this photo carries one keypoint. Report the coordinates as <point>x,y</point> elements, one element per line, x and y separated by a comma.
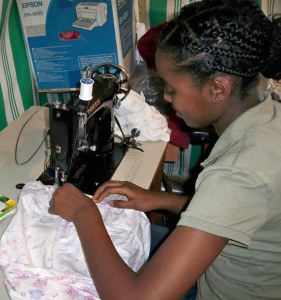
<point>64,36</point>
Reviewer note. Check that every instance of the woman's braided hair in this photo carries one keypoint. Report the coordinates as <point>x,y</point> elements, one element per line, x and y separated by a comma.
<point>229,36</point>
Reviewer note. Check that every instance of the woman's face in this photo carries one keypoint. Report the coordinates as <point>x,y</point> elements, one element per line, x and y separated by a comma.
<point>193,103</point>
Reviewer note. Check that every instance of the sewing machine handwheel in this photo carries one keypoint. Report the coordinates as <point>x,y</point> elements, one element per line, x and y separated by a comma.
<point>119,73</point>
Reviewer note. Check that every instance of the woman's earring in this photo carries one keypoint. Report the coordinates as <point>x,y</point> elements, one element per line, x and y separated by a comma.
<point>216,99</point>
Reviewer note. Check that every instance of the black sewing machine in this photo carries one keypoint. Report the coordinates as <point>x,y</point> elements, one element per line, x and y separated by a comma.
<point>83,150</point>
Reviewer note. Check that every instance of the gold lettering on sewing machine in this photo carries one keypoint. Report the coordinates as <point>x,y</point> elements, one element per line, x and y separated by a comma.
<point>93,106</point>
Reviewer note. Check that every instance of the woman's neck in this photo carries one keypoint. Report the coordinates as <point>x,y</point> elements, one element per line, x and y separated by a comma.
<point>236,107</point>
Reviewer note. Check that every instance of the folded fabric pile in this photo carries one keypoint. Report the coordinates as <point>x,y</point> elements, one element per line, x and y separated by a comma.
<point>41,255</point>
<point>134,112</point>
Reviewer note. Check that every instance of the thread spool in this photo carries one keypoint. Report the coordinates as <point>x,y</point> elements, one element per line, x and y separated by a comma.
<point>86,89</point>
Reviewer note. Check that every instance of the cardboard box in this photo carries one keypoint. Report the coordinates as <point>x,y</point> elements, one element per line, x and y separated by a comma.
<point>171,153</point>
<point>63,37</point>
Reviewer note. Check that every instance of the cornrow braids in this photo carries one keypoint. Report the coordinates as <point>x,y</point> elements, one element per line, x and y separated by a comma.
<point>272,66</point>
<point>229,36</point>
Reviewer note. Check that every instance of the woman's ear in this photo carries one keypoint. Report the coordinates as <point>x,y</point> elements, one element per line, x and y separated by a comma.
<point>221,87</point>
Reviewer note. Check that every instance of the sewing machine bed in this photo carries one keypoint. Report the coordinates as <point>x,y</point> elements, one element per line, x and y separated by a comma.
<point>89,171</point>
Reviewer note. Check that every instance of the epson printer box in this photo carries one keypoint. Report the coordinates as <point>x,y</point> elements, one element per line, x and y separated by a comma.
<point>65,36</point>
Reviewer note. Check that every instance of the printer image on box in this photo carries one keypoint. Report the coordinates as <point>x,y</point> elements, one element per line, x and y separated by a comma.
<point>90,15</point>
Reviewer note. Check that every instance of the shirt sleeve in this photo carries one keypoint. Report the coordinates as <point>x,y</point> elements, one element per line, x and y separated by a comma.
<point>228,202</point>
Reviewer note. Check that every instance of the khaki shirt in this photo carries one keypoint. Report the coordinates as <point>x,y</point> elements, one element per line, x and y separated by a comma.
<point>238,196</point>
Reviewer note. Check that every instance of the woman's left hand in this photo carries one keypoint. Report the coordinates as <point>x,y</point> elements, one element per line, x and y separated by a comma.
<point>69,203</point>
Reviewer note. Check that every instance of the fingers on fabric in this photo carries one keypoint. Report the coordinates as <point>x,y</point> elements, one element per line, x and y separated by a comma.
<point>111,187</point>
<point>121,204</point>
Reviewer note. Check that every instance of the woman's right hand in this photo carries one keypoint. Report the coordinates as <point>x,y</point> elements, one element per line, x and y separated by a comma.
<point>138,198</point>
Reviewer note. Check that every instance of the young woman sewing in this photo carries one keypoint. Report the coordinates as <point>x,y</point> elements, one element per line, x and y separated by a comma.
<point>211,58</point>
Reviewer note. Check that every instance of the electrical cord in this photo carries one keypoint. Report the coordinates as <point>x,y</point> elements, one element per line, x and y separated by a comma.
<point>17,142</point>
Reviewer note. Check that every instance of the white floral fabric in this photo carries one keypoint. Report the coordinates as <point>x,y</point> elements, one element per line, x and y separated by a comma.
<point>41,255</point>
